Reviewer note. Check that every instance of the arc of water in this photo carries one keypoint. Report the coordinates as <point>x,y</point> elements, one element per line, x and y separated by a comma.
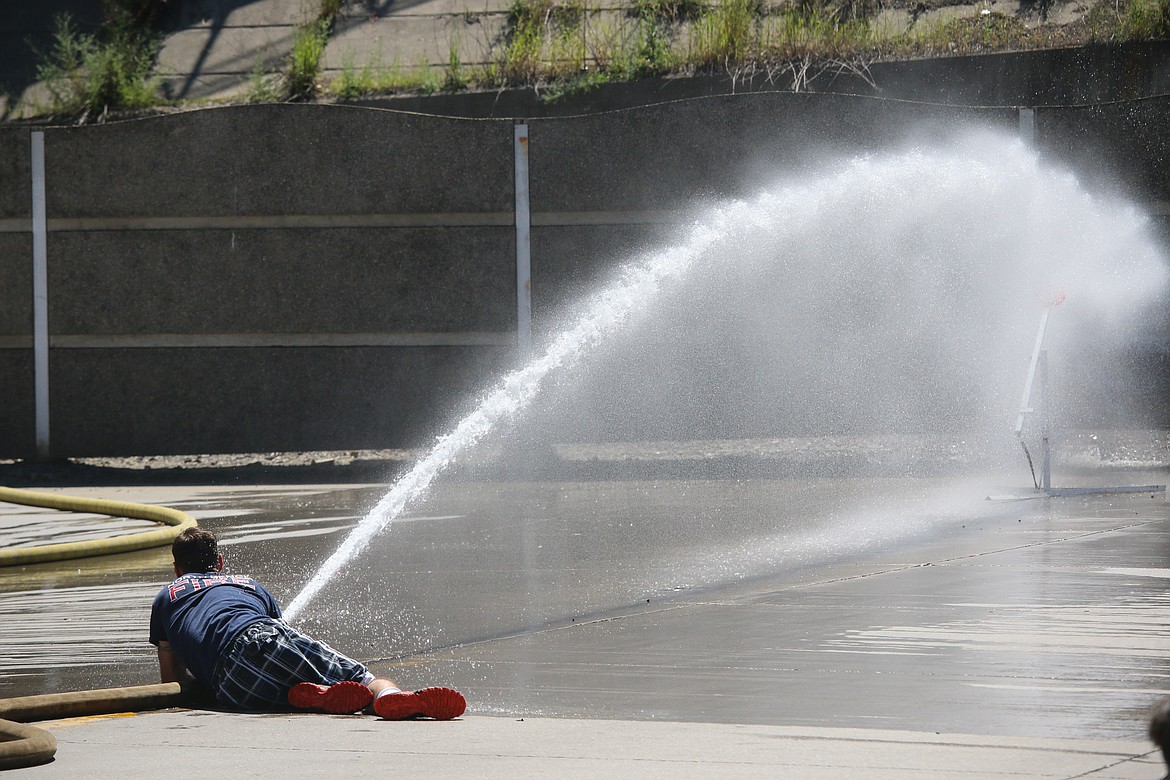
<point>778,218</point>
<point>608,311</point>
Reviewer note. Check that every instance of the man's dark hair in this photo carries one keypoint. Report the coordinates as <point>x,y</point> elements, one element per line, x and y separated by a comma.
<point>1160,728</point>
<point>196,551</point>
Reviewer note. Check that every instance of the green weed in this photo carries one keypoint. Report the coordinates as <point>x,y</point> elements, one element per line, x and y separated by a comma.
<point>263,86</point>
<point>1146,19</point>
<point>305,61</point>
<point>650,54</point>
<point>354,82</point>
<point>979,33</point>
<point>670,11</point>
<point>545,40</point>
<point>309,41</point>
<point>524,42</point>
<point>813,32</point>
<point>723,34</point>
<point>373,79</point>
<point>91,75</point>
<point>1102,21</point>
<point>455,78</point>
<point>330,9</point>
<point>585,82</point>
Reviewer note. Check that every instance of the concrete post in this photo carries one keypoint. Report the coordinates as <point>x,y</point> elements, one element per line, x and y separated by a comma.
<point>1028,126</point>
<point>40,297</point>
<point>523,247</point>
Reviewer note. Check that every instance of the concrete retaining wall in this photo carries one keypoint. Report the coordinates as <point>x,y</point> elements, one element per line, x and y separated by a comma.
<point>290,277</point>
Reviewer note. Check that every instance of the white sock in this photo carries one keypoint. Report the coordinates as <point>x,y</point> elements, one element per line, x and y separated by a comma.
<point>387,692</point>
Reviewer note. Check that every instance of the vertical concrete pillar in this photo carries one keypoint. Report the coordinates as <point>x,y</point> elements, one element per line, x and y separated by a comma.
<point>40,297</point>
<point>1028,126</point>
<point>523,247</point>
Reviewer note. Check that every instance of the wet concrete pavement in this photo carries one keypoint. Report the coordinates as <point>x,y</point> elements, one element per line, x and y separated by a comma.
<point>484,747</point>
<point>790,612</point>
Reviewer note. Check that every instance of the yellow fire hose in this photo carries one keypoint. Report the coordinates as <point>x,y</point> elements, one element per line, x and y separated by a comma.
<point>174,520</point>
<point>22,745</point>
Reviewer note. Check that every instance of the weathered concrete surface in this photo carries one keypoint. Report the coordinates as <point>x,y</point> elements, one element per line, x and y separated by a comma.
<point>374,237</point>
<point>16,281</point>
<point>421,36</point>
<point>15,201</point>
<point>227,56</point>
<point>337,394</point>
<point>225,294</point>
<point>308,227</point>
<point>280,160</point>
<point>213,48</point>
<point>720,146</point>
<point>1067,132</point>
<point>317,746</point>
<point>923,639</point>
<point>36,526</point>
<point>18,421</point>
<point>903,604</point>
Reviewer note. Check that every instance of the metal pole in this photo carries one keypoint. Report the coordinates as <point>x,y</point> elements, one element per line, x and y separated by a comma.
<point>523,247</point>
<point>1037,350</point>
<point>40,297</point>
<point>1045,452</point>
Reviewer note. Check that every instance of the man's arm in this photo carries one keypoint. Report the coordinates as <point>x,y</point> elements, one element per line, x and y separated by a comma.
<point>170,666</point>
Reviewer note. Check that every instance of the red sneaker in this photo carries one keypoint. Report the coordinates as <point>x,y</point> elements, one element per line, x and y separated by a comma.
<point>340,699</point>
<point>437,703</point>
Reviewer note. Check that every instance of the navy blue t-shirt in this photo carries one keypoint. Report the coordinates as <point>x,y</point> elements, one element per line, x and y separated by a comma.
<point>200,615</point>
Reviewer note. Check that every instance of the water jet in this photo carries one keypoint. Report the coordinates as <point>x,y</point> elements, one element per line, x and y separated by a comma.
<point>885,294</point>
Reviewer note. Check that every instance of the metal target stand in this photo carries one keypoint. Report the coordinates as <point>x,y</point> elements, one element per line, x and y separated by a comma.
<point>1042,486</point>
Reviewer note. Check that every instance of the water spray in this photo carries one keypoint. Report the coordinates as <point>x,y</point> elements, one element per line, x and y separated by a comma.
<point>792,261</point>
<point>608,311</point>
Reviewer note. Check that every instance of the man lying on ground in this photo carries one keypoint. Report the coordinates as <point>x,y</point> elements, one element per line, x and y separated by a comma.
<point>226,631</point>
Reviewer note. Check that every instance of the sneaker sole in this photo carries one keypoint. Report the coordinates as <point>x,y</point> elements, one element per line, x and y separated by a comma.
<point>343,698</point>
<point>437,703</point>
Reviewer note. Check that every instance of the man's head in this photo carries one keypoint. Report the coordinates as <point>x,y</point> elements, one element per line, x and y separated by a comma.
<point>196,552</point>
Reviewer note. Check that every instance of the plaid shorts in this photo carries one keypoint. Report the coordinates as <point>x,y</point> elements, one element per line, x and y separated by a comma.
<point>269,657</point>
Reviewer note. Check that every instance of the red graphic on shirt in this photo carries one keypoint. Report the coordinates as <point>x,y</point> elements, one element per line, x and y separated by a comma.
<point>189,584</point>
